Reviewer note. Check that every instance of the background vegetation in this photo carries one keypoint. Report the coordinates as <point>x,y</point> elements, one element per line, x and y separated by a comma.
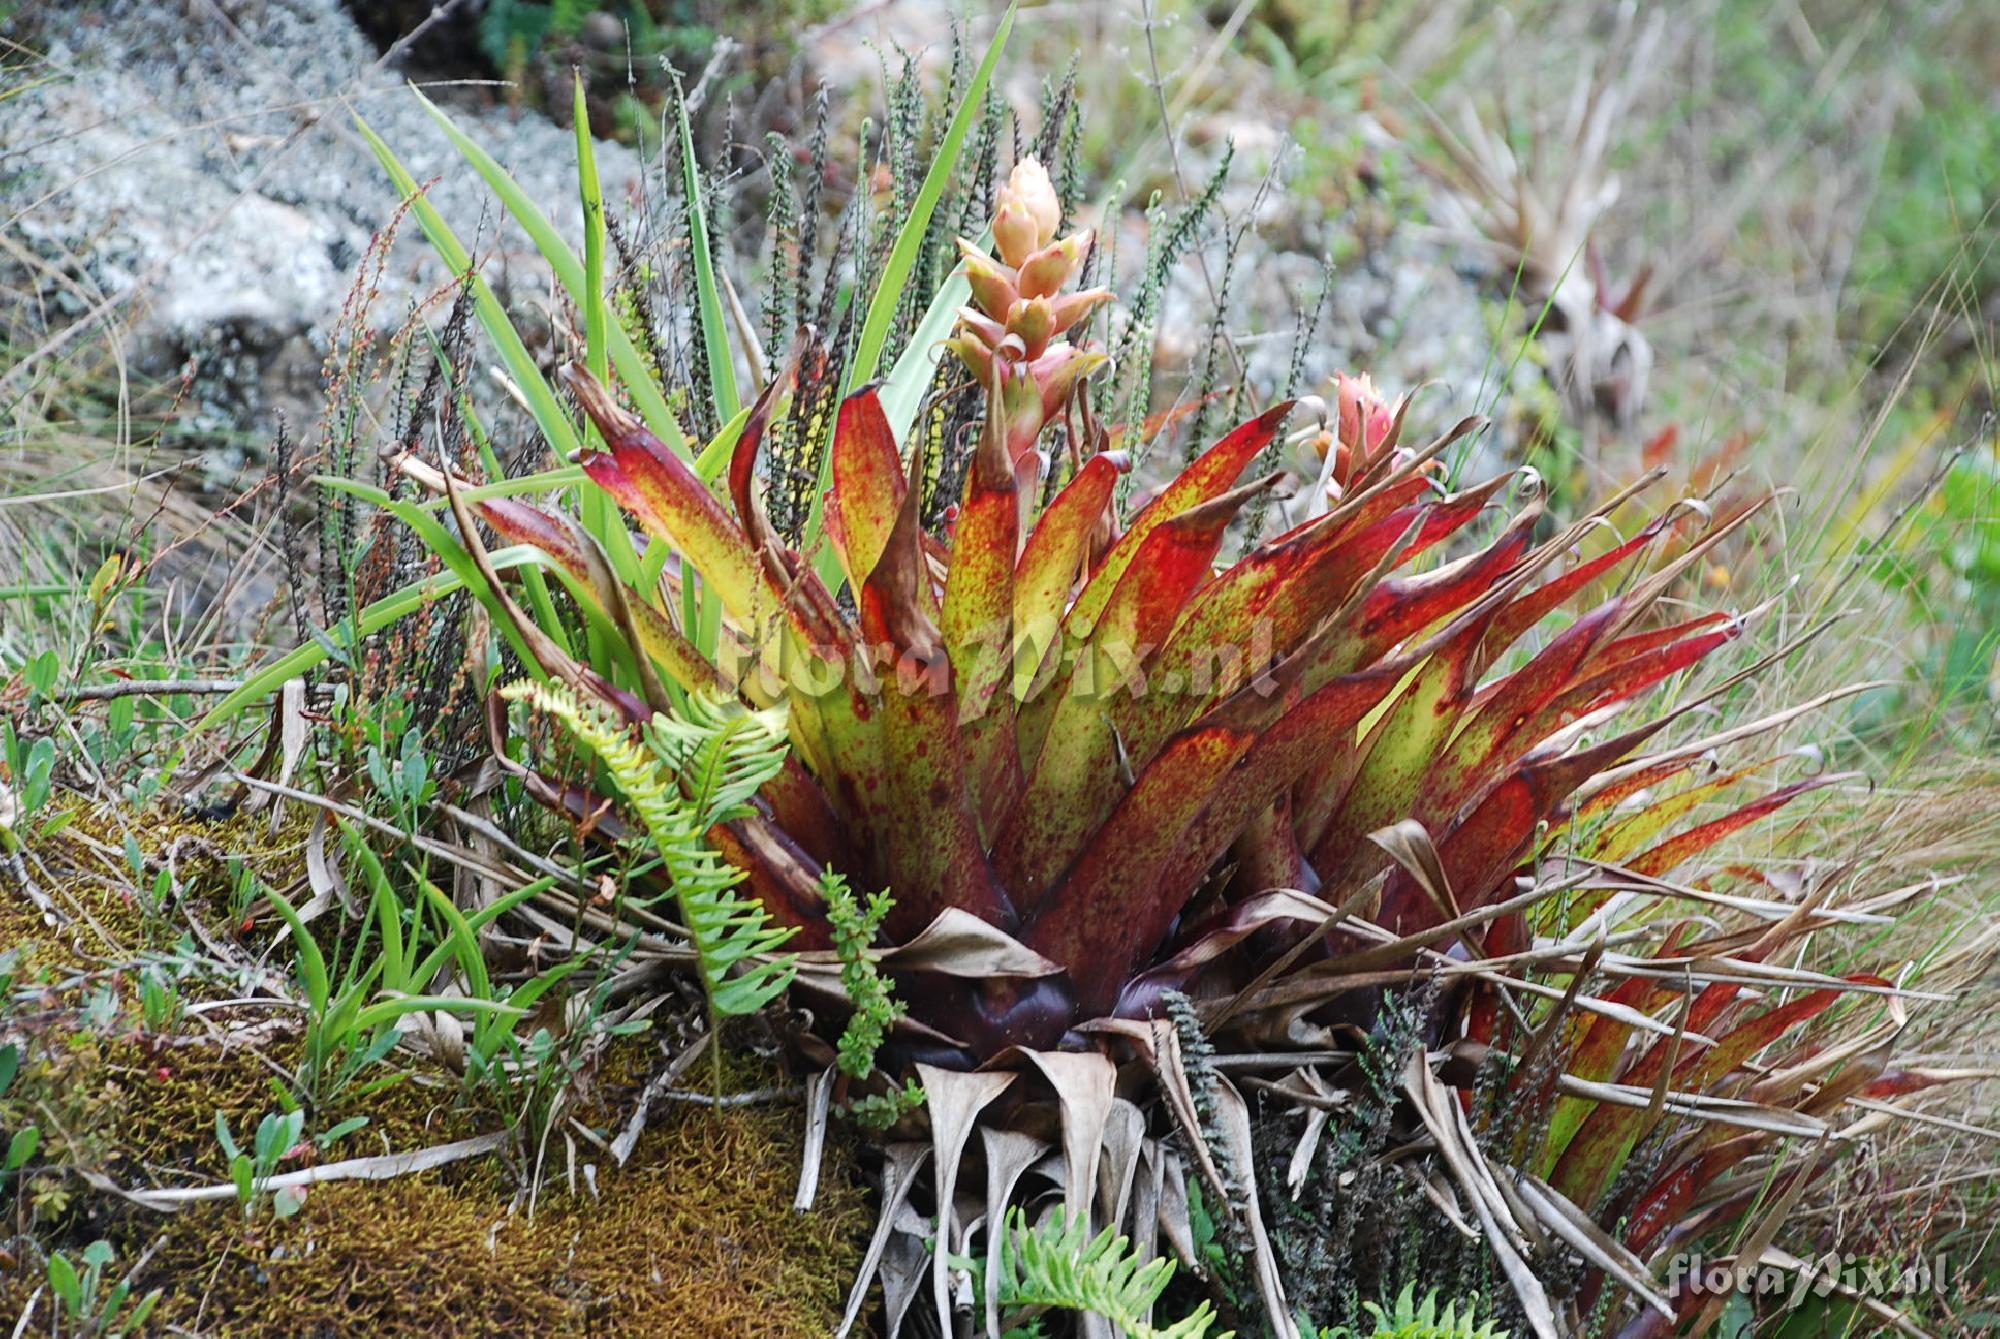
<point>1812,190</point>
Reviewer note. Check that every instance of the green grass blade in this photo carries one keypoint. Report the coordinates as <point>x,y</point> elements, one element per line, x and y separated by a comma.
<point>910,240</point>
<point>902,392</point>
<point>600,515</point>
<point>547,481</point>
<point>597,348</point>
<point>633,372</point>
<point>455,557</point>
<point>373,618</point>
<point>479,920</point>
<point>902,260</point>
<point>520,364</point>
<point>464,942</point>
<point>312,963</point>
<point>388,909</point>
<point>714,321</point>
<point>388,1011</point>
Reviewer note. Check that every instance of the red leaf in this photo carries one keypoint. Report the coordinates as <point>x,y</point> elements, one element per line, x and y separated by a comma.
<point>935,857</point>
<point>1050,561</point>
<point>1114,906</point>
<point>671,501</point>
<point>1208,477</point>
<point>1529,609</point>
<point>1500,710</point>
<point>1268,602</point>
<point>977,624</point>
<point>574,552</point>
<point>1071,783</point>
<point>1676,851</point>
<point>868,485</point>
<point>1607,1136</point>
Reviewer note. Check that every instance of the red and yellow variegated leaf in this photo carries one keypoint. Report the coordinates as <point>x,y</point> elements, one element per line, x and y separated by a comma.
<point>1118,900</point>
<point>1633,644</point>
<point>1903,1082</point>
<point>1396,755</point>
<point>935,857</point>
<point>1639,779</point>
<point>1214,473</point>
<point>1529,609</point>
<point>1600,1043</point>
<point>1403,607</point>
<point>1715,1152</point>
<point>671,502</point>
<point>977,625</point>
<point>1050,562</point>
<point>1267,854</point>
<point>1633,675</point>
<point>868,485</point>
<point>1270,601</point>
<point>1617,683</point>
<point>807,365</point>
<point>1073,779</point>
<point>1481,850</point>
<point>577,556</point>
<point>1500,710</point>
<point>1607,1136</point>
<point>800,808</point>
<point>1676,851</point>
<point>1323,797</point>
<point>1111,909</point>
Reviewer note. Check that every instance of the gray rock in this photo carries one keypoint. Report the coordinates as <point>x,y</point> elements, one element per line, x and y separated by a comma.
<point>198,166</point>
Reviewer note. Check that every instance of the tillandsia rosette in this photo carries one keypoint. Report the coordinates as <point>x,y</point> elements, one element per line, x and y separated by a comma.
<point>1100,759</point>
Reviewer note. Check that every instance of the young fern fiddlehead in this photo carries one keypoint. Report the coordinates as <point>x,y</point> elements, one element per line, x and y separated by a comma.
<point>691,772</point>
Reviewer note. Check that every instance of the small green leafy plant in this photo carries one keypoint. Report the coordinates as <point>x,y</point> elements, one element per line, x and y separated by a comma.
<point>350,1025</point>
<point>96,1309</point>
<point>876,1008</point>
<point>30,769</point>
<point>277,1135</point>
<point>21,1143</point>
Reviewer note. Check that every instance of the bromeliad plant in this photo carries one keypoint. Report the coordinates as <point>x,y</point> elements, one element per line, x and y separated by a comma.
<point>1087,737</point>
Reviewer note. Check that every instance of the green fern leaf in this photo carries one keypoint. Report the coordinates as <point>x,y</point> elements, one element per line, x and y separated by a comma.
<point>1059,1264</point>
<point>692,772</point>
<point>1409,1319</point>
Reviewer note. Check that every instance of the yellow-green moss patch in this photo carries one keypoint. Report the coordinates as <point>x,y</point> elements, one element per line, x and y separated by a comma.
<point>695,1237</point>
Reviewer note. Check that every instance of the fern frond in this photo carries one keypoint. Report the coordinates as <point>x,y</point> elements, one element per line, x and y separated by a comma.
<point>1059,1264</point>
<point>693,772</point>
<point>1410,1319</point>
<point>721,753</point>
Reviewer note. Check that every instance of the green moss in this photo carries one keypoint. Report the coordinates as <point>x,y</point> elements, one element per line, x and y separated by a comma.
<point>696,1236</point>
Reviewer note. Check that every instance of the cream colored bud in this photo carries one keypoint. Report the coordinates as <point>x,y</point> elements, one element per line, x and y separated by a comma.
<point>1030,185</point>
<point>992,284</point>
